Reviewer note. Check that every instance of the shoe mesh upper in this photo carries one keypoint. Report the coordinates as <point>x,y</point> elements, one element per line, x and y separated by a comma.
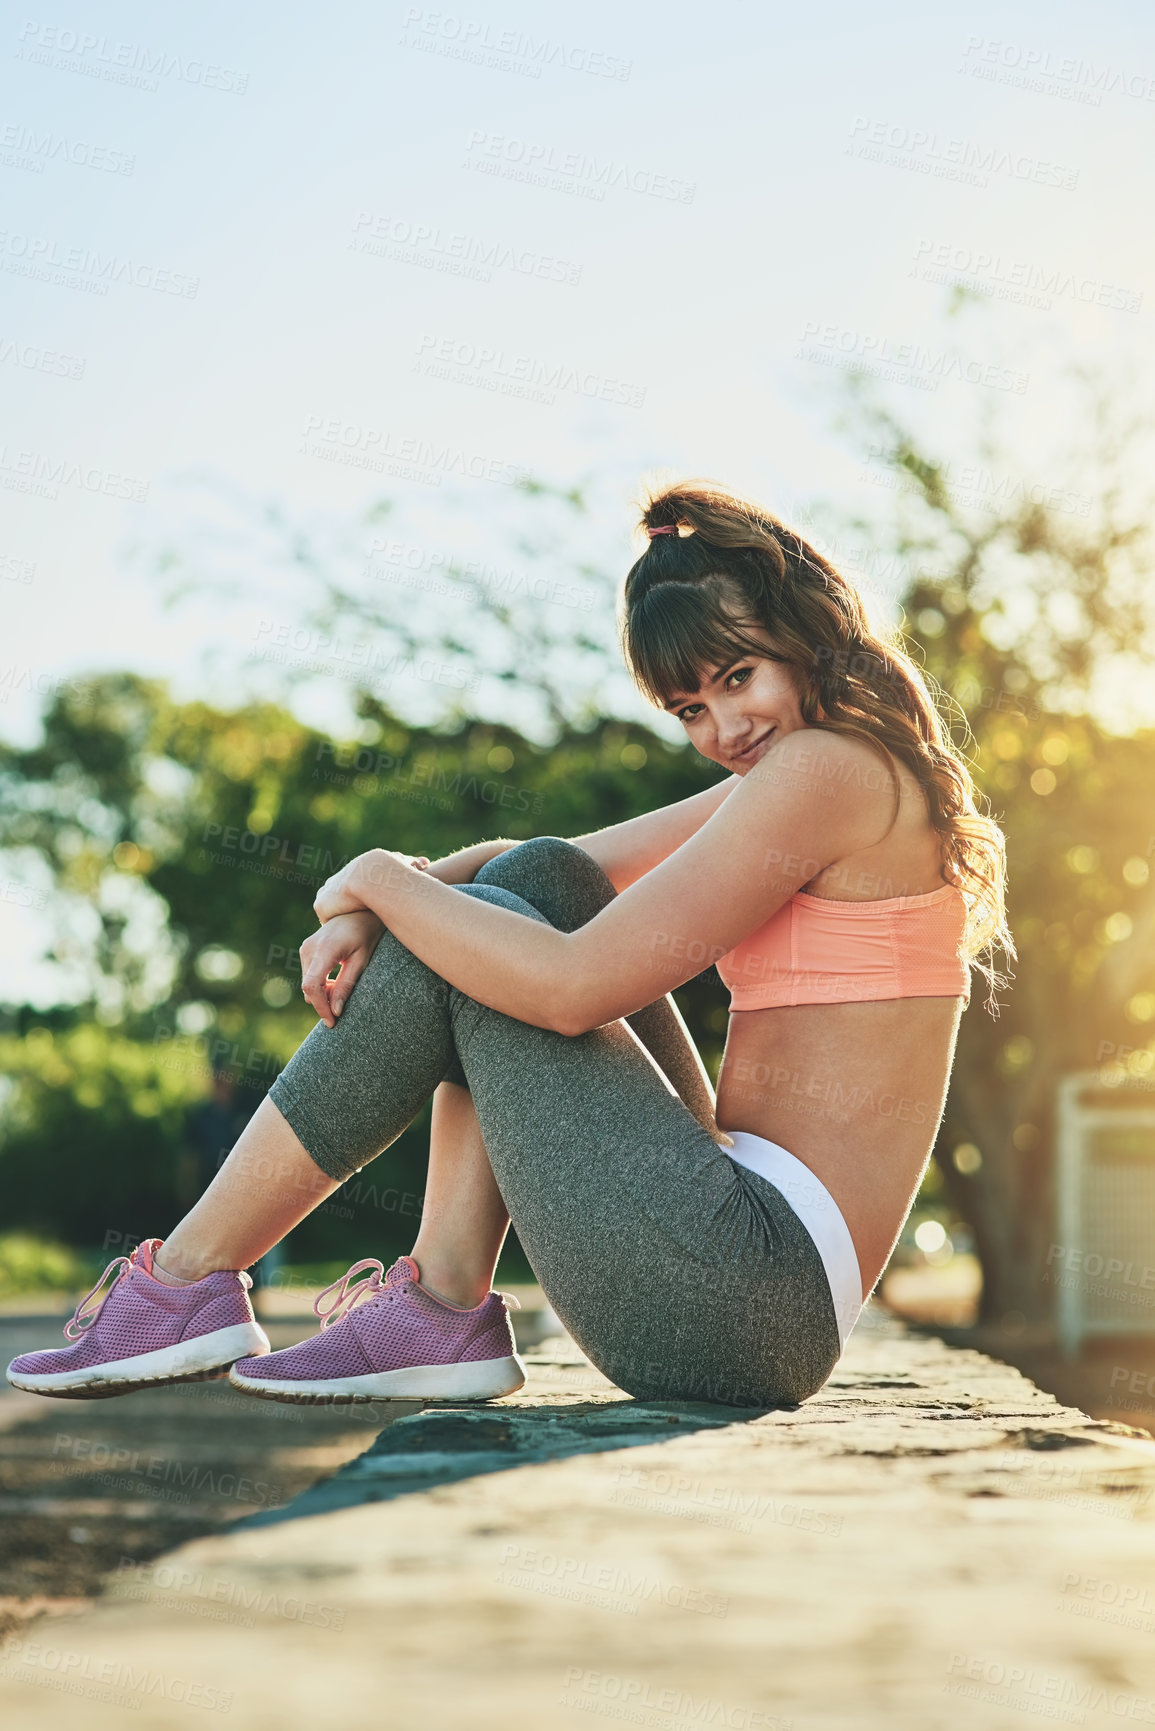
<point>401,1327</point>
<point>142,1315</point>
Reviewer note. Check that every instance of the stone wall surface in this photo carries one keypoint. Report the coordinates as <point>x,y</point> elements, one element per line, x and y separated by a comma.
<point>930,1542</point>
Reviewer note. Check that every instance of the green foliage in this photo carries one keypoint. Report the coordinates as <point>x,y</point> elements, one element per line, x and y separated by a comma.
<point>29,1264</point>
<point>230,822</point>
<point>90,1126</point>
<point>1021,608</point>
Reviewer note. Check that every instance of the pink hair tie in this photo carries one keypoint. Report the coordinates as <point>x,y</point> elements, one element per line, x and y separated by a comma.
<point>666,529</point>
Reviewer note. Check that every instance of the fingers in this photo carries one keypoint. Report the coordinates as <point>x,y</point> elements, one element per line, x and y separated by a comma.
<point>317,961</point>
<point>346,945</point>
<point>315,986</point>
<point>340,988</point>
<point>329,997</point>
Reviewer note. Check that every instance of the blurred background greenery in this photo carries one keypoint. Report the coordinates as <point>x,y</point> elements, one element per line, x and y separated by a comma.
<point>177,847</point>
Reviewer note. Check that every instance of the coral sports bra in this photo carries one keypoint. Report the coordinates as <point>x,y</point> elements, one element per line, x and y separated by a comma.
<point>818,951</point>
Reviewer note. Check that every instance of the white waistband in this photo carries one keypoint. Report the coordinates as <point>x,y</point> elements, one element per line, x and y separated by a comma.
<point>818,1212</point>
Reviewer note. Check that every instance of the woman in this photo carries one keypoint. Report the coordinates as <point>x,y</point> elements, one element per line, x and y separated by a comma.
<point>841,877</point>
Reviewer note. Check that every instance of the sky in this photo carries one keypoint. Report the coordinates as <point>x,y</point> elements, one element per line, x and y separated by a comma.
<point>267,259</point>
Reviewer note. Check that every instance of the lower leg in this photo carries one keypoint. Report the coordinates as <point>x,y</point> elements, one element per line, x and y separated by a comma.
<point>463,1219</point>
<point>267,1186</point>
<point>345,1095</point>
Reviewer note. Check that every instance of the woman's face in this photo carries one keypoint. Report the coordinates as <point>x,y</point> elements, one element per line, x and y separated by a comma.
<point>741,709</point>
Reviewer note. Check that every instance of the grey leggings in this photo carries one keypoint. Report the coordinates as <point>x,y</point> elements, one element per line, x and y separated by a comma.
<point>680,1274</point>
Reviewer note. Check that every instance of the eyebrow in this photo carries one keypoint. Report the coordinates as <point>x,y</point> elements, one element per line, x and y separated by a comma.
<point>676,702</point>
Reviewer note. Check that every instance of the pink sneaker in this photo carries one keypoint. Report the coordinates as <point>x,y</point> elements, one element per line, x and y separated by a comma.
<point>143,1333</point>
<point>401,1343</point>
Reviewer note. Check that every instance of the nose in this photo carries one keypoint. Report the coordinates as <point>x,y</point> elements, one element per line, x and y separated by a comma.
<point>735,735</point>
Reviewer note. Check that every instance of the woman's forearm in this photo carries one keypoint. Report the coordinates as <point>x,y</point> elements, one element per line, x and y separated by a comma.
<point>508,961</point>
<point>463,866</point>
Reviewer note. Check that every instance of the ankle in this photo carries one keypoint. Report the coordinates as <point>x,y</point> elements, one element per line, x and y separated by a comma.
<point>167,1279</point>
<point>447,1283</point>
<point>179,1271</point>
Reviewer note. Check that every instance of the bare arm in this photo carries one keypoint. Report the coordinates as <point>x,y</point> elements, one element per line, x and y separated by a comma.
<point>463,866</point>
<point>625,851</point>
<point>723,883</point>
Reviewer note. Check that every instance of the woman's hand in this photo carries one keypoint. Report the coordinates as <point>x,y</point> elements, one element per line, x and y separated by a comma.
<point>347,941</point>
<point>343,893</point>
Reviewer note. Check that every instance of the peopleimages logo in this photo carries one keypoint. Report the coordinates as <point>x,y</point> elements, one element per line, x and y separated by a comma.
<point>118,1682</point>
<point>569,170</point>
<point>37,360</point>
<point>1046,1693</point>
<point>37,148</point>
<point>462,579</point>
<point>38,255</point>
<point>34,472</point>
<point>632,1699</point>
<point>1032,67</point>
<point>428,245</point>
<point>120,62</point>
<point>496,369</point>
<point>334,439</point>
<point>504,50</point>
<point>908,362</point>
<point>929,152</point>
<point>1008,278</point>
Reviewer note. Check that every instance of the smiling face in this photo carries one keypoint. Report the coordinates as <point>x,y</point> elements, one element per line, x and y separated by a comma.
<point>740,709</point>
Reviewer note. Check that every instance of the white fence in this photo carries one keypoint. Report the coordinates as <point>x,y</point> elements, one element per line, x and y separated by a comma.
<point>1103,1266</point>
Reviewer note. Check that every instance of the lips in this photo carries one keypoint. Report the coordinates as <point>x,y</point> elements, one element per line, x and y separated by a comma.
<point>748,755</point>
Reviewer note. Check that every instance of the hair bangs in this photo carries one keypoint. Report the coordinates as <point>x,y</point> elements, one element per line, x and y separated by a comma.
<point>680,634</point>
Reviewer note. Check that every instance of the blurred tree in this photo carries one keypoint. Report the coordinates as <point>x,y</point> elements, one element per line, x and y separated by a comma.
<point>526,608</point>
<point>195,839</point>
<point>1024,603</point>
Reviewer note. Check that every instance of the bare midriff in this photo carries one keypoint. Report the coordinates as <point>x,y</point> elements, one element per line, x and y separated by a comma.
<point>855,1091</point>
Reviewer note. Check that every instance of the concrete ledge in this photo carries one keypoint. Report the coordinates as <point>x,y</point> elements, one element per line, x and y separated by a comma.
<point>931,1541</point>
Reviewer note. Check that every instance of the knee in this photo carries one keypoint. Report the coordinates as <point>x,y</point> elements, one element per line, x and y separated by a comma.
<point>543,858</point>
<point>557,877</point>
<point>501,896</point>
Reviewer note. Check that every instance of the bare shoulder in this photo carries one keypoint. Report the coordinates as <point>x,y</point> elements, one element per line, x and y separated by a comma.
<point>814,759</point>
<point>837,791</point>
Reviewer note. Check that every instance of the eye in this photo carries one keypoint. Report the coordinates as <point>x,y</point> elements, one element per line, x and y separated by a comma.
<point>735,679</point>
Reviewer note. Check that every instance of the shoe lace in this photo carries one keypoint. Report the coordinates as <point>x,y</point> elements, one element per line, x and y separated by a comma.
<point>346,1295</point>
<point>82,1318</point>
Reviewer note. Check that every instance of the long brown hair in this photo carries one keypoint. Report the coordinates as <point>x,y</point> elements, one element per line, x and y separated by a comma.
<point>688,604</point>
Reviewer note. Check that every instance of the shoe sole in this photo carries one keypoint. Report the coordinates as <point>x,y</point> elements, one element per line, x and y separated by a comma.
<point>196,1360</point>
<point>485,1379</point>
